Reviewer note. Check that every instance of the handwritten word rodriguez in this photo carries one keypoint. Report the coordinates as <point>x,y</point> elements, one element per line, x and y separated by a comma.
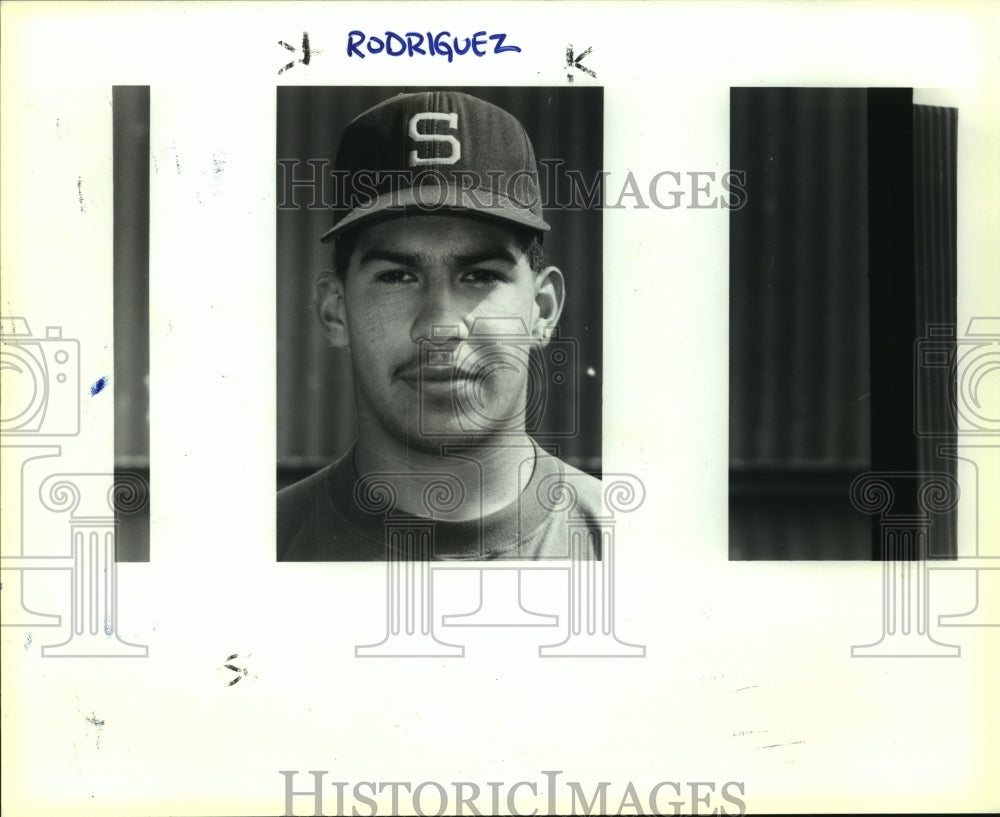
<point>426,44</point>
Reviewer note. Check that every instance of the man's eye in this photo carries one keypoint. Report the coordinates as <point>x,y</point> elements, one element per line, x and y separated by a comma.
<point>396,276</point>
<point>483,277</point>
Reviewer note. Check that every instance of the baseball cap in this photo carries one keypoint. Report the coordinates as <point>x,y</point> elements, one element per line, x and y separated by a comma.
<point>437,150</point>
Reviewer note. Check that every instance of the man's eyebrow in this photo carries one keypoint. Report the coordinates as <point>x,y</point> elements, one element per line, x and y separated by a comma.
<point>494,254</point>
<point>403,259</point>
<point>419,260</point>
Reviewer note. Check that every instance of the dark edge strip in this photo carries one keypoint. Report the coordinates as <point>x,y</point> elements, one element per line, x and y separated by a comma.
<point>130,152</point>
<point>892,293</point>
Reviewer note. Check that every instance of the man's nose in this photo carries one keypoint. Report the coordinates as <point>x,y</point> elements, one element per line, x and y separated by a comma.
<point>441,318</point>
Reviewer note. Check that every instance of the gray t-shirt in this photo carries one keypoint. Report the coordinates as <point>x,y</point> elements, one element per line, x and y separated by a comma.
<point>558,509</point>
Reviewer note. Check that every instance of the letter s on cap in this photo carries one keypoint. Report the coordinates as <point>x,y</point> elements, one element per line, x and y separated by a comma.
<point>418,137</point>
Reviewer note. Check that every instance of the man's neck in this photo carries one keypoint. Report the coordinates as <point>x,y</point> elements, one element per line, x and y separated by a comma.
<point>462,482</point>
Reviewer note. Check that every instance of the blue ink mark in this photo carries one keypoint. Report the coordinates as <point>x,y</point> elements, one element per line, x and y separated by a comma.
<point>79,193</point>
<point>93,719</point>
<point>98,387</point>
<point>28,642</point>
<point>439,44</point>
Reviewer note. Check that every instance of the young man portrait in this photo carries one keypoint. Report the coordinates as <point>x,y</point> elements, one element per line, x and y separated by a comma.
<point>441,296</point>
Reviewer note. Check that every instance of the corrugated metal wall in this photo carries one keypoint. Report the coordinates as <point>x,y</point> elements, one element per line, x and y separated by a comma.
<point>130,380</point>
<point>935,184</point>
<point>799,419</point>
<point>798,280</point>
<point>799,341</point>
<point>314,392</point>
<point>801,338</point>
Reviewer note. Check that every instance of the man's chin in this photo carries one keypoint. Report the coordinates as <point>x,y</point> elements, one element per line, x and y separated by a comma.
<point>433,439</point>
<point>437,442</point>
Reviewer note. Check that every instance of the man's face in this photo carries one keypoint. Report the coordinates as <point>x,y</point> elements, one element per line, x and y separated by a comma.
<point>440,312</point>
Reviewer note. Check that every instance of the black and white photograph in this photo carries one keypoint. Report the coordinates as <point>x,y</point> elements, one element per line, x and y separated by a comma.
<point>842,291</point>
<point>439,296</point>
<point>499,408</point>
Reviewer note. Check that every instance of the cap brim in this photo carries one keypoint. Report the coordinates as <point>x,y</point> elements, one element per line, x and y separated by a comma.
<point>432,199</point>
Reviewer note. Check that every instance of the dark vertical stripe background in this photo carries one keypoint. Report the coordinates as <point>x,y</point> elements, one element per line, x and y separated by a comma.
<point>892,291</point>
<point>799,338</point>
<point>842,257</point>
<point>130,379</point>
<point>935,138</point>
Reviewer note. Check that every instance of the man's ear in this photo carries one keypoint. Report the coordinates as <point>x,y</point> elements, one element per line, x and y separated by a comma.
<point>331,308</point>
<point>550,294</point>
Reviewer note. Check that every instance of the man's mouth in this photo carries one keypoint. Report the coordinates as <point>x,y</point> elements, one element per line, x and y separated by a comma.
<point>437,375</point>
